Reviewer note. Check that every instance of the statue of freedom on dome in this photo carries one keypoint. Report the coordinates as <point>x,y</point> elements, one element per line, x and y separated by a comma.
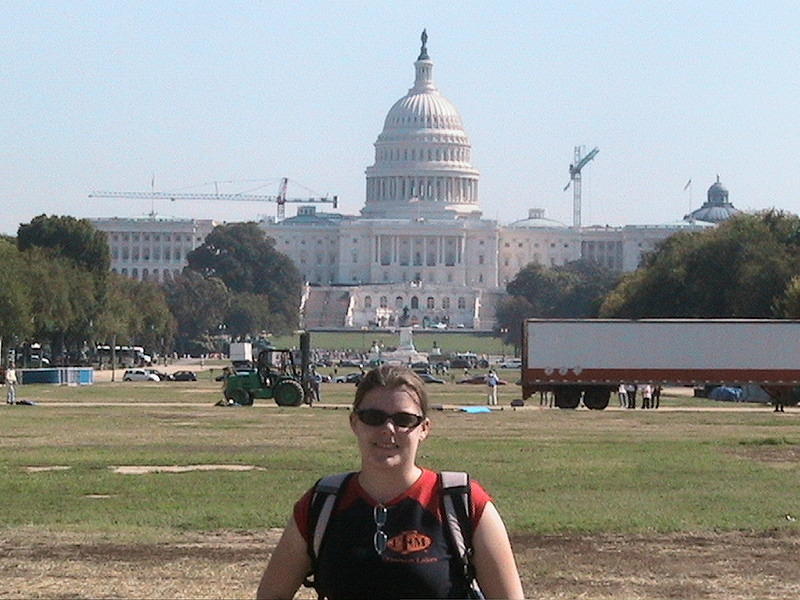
<point>423,53</point>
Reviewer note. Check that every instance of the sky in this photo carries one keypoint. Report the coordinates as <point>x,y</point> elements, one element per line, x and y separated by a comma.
<point>173,96</point>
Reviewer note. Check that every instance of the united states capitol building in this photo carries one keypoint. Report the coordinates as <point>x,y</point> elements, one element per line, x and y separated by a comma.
<point>420,252</point>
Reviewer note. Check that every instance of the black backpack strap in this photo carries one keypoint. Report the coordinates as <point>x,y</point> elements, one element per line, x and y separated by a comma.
<point>457,503</point>
<point>323,501</point>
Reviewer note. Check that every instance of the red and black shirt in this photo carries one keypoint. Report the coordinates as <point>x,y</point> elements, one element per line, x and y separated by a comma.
<point>418,561</point>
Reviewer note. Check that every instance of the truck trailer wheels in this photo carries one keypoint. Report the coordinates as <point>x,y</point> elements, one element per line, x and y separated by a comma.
<point>567,397</point>
<point>596,398</point>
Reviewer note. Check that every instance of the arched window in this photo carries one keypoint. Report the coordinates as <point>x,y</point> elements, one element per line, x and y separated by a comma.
<point>446,303</point>
<point>383,302</point>
<point>398,302</point>
<point>367,301</point>
<point>462,303</point>
<point>430,302</point>
<point>414,302</point>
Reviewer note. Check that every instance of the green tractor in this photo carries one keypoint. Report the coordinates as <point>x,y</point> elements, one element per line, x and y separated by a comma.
<point>274,376</point>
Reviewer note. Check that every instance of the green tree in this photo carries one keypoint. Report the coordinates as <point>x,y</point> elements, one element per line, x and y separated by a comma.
<point>248,315</point>
<point>154,326</point>
<point>116,321</point>
<point>575,289</point>
<point>15,305</point>
<point>69,261</point>
<point>510,314</point>
<point>76,239</point>
<point>63,300</point>
<point>740,269</point>
<point>246,260</point>
<point>199,305</point>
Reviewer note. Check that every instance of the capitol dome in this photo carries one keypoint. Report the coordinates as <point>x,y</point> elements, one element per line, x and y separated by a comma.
<point>716,208</point>
<point>422,156</point>
<point>537,220</point>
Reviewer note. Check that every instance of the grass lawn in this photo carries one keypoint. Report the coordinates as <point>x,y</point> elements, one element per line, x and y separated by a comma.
<point>549,470</point>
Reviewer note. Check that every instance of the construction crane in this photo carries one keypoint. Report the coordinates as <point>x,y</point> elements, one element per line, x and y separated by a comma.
<point>575,179</point>
<point>280,198</point>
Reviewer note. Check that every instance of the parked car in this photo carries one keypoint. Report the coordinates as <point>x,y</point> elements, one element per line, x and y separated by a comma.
<point>480,379</point>
<point>160,374</point>
<point>139,375</point>
<point>184,376</point>
<point>349,378</point>
<point>511,363</point>
<point>428,378</point>
<point>348,362</point>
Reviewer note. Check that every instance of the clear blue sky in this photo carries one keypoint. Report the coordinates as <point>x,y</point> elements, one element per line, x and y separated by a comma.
<point>102,95</point>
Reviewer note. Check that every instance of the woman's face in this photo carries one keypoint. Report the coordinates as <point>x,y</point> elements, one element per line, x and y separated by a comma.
<point>387,445</point>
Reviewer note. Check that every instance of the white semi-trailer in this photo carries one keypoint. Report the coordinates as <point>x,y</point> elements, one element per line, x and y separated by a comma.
<point>587,359</point>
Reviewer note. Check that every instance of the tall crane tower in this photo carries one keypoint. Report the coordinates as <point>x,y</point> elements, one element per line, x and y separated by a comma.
<point>280,199</point>
<point>575,179</point>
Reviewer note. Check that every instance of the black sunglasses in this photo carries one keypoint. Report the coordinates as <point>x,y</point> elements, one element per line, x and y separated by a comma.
<point>374,418</point>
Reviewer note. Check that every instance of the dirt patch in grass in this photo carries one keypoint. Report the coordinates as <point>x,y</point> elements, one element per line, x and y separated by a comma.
<point>734,565</point>
<point>47,468</point>
<point>730,566</point>
<point>769,452</point>
<point>145,469</point>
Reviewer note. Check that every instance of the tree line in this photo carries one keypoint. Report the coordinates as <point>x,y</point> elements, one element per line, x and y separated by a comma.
<point>747,267</point>
<point>56,288</point>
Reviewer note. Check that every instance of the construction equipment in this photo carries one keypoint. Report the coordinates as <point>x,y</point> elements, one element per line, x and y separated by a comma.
<point>575,179</point>
<point>280,199</point>
<point>275,376</point>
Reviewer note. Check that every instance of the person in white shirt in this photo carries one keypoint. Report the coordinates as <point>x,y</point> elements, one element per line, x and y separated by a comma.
<point>647,396</point>
<point>11,384</point>
<point>623,396</point>
<point>491,383</point>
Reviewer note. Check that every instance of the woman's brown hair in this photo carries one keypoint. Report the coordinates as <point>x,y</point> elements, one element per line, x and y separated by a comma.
<point>391,377</point>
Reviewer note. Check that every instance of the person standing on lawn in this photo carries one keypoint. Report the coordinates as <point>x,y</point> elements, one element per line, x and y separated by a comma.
<point>492,382</point>
<point>386,533</point>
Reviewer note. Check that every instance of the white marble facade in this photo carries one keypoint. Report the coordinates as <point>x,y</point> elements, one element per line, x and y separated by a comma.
<point>152,248</point>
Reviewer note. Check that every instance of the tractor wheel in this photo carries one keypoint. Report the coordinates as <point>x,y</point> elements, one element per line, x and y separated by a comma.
<point>568,397</point>
<point>596,398</point>
<point>288,393</point>
<point>240,397</point>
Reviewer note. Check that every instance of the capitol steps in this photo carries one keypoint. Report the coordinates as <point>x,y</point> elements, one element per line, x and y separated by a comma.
<point>326,307</point>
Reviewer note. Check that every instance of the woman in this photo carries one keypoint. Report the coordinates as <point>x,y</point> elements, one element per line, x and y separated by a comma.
<point>389,500</point>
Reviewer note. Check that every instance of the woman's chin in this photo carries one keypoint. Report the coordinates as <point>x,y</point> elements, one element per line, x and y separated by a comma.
<point>386,458</point>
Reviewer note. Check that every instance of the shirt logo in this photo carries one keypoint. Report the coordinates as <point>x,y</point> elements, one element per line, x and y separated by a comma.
<point>409,542</point>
